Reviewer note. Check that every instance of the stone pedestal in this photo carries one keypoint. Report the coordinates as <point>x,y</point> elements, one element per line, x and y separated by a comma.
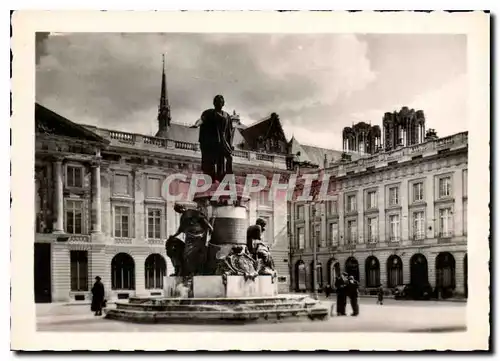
<point>230,222</point>
<point>219,287</point>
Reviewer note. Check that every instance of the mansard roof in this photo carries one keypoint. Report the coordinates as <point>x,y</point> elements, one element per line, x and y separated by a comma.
<point>51,123</point>
<point>263,128</point>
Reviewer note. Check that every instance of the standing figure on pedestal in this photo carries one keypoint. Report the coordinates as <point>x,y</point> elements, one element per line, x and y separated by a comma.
<point>216,141</point>
<point>190,259</point>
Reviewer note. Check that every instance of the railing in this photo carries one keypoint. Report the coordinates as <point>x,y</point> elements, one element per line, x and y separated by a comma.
<point>350,246</point>
<point>80,238</point>
<point>265,157</point>
<point>122,137</point>
<point>122,240</point>
<point>160,142</point>
<point>186,146</point>
<point>131,138</point>
<point>453,140</point>
<point>241,154</point>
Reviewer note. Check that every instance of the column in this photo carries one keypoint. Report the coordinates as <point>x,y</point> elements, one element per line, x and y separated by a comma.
<point>96,197</point>
<point>58,226</point>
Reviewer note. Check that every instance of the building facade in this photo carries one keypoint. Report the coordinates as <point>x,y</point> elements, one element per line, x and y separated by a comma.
<point>397,217</point>
<point>100,211</point>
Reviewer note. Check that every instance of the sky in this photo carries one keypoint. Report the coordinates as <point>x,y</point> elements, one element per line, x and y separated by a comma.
<point>317,83</point>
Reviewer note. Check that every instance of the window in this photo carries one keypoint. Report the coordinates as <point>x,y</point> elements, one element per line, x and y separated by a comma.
<point>79,271</point>
<point>334,234</point>
<point>372,229</point>
<point>74,216</point>
<point>122,272</point>
<point>268,236</point>
<point>394,227</point>
<point>444,187</point>
<point>122,224</point>
<point>300,235</point>
<point>393,196</point>
<point>351,203</point>
<point>316,235</point>
<point>464,182</point>
<point>74,176</point>
<point>121,184</point>
<point>465,217</point>
<point>332,207</point>
<point>154,223</point>
<point>371,200</point>
<point>418,225</point>
<point>351,232</point>
<point>155,268</point>
<point>445,222</point>
<point>300,212</point>
<point>264,199</point>
<point>154,188</point>
<point>418,192</point>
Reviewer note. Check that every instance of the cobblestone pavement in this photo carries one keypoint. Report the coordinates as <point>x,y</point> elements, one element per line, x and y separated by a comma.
<point>393,316</point>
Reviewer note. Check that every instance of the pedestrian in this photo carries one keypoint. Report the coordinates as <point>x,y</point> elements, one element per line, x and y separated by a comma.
<point>380,295</point>
<point>97,297</point>
<point>352,292</point>
<point>341,285</point>
<point>328,290</point>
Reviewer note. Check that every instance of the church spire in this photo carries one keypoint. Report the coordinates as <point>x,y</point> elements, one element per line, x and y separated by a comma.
<point>164,108</point>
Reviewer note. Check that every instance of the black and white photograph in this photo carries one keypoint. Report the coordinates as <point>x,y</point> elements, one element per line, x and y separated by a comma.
<point>230,174</point>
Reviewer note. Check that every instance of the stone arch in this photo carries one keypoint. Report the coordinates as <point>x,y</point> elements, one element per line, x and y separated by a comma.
<point>419,270</point>
<point>300,276</point>
<point>394,271</point>
<point>445,271</point>
<point>352,267</point>
<point>155,268</point>
<point>122,272</point>
<point>372,272</point>
<point>333,271</point>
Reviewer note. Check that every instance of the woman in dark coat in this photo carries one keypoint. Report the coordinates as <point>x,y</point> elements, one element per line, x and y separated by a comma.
<point>97,297</point>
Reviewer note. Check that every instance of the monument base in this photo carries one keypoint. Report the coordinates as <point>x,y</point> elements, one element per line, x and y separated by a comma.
<point>218,298</point>
<point>210,310</point>
<point>219,287</point>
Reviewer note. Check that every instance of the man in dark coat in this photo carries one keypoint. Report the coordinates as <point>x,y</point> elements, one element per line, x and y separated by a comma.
<point>97,297</point>
<point>216,141</point>
<point>352,292</point>
<point>341,286</point>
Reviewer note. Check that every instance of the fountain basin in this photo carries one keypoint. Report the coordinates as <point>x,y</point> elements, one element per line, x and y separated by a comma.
<point>202,310</point>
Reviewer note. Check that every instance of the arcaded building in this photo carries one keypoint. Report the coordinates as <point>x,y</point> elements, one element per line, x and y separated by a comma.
<point>399,213</point>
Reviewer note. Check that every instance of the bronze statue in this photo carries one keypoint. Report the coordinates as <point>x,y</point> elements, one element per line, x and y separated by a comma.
<point>216,141</point>
<point>259,250</point>
<point>190,259</point>
<point>237,262</point>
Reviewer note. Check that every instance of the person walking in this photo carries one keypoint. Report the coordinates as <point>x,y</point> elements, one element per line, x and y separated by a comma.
<point>97,297</point>
<point>341,285</point>
<point>380,296</point>
<point>352,292</point>
<point>328,290</point>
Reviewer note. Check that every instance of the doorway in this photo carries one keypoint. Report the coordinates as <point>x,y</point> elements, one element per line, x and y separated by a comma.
<point>42,266</point>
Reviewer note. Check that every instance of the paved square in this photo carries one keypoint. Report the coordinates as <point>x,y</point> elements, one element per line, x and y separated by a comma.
<point>393,316</point>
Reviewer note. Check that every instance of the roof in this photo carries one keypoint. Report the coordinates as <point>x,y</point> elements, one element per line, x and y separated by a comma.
<point>261,129</point>
<point>317,155</point>
<point>49,122</point>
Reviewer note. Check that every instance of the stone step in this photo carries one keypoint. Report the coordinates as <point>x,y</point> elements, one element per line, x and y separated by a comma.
<point>215,307</point>
<point>231,301</point>
<point>198,316</point>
